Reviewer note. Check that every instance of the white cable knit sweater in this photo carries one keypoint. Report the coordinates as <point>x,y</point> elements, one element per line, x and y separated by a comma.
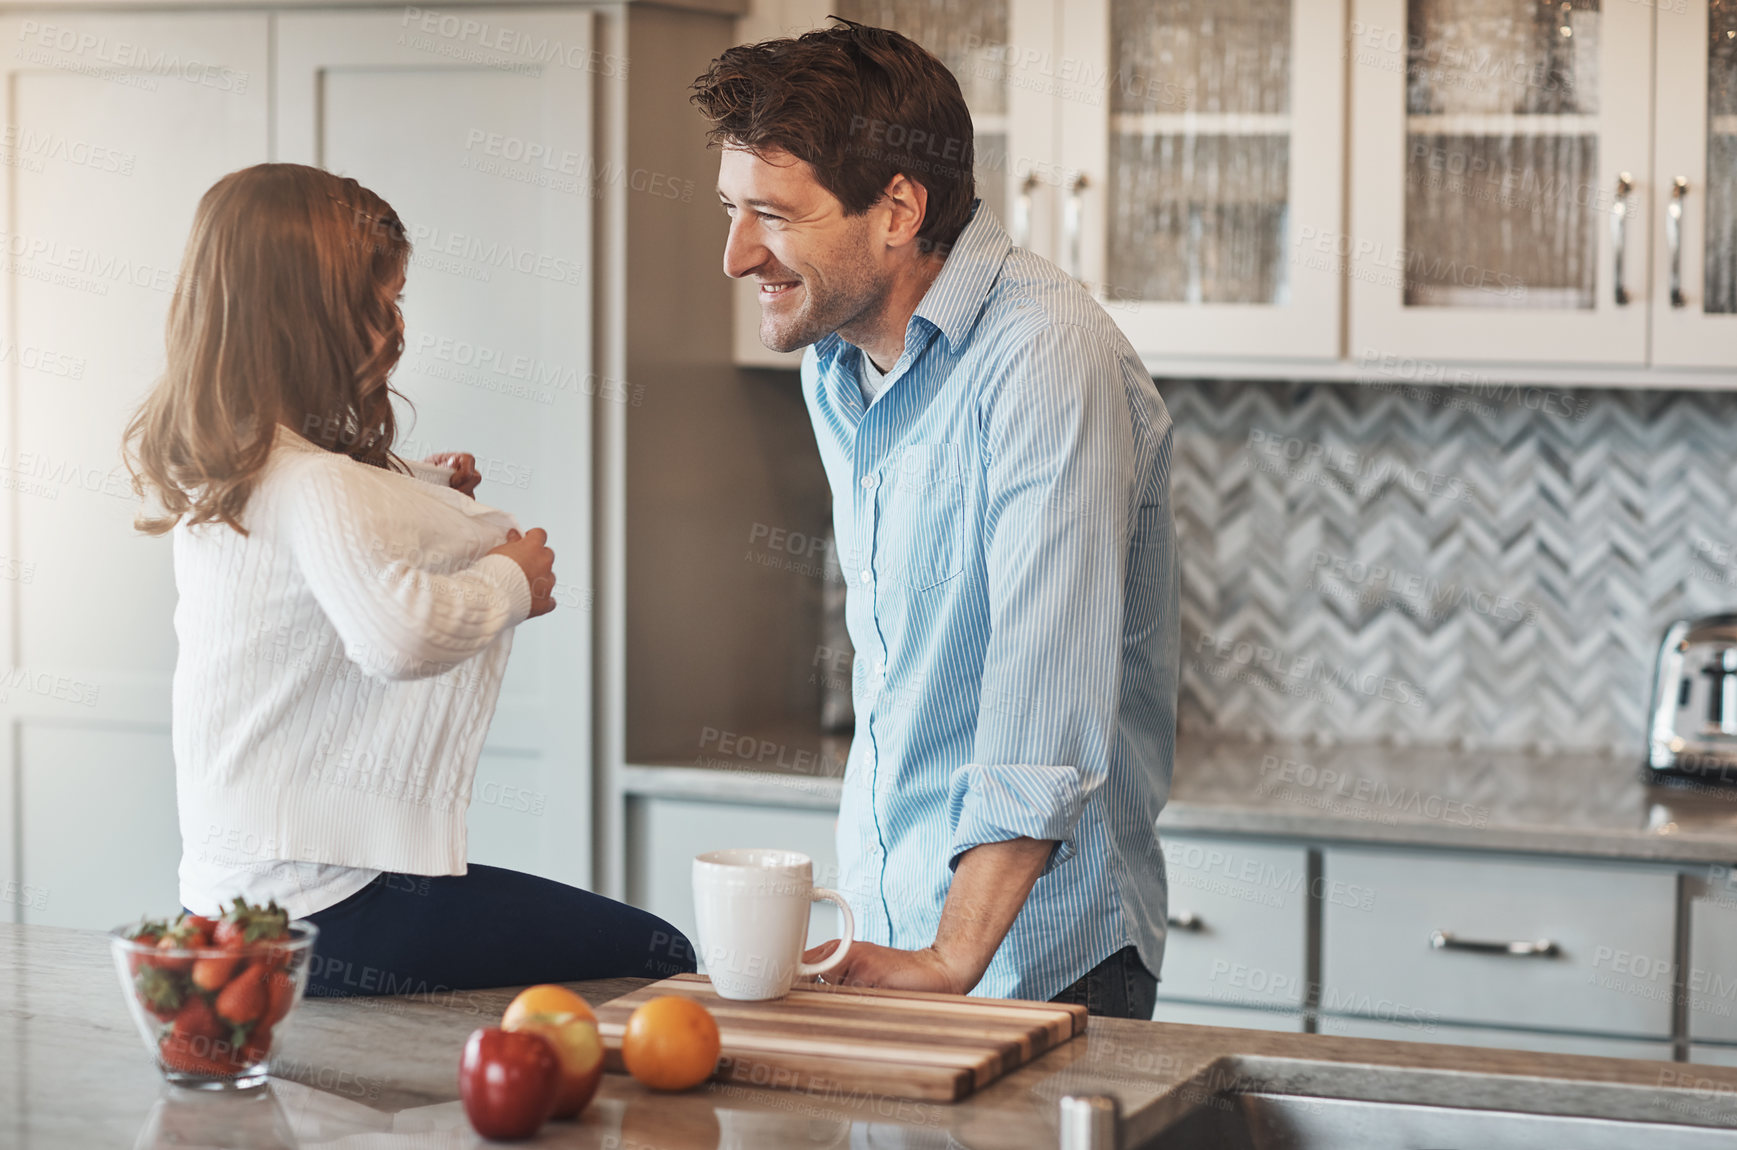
<point>337,672</point>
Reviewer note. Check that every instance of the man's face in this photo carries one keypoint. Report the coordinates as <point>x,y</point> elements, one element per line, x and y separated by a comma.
<point>818,270</point>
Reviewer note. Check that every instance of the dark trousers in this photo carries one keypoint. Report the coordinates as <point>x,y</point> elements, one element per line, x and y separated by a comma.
<point>1118,987</point>
<point>421,934</point>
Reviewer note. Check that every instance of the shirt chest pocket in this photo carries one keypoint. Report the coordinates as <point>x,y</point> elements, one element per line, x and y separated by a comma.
<point>923,526</point>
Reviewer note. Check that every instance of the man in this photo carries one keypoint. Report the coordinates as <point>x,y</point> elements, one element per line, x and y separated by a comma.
<point>999,463</point>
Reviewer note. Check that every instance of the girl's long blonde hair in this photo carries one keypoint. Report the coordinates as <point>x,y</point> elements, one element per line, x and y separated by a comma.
<point>286,312</point>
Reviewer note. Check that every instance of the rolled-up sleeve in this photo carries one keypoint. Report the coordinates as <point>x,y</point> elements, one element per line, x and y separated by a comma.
<point>1059,462</point>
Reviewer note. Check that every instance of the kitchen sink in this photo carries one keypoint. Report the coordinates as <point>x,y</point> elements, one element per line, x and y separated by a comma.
<point>1298,1122</point>
<point>1241,1103</point>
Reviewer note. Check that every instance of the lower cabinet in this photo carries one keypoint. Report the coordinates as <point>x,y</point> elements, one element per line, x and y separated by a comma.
<point>1713,1055</point>
<point>665,834</point>
<point>1415,938</point>
<point>1235,1017</point>
<point>1711,980</point>
<point>1238,922</point>
<point>1450,1035</point>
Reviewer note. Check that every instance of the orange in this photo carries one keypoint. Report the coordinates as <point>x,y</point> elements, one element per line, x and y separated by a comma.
<point>671,1043</point>
<point>545,999</point>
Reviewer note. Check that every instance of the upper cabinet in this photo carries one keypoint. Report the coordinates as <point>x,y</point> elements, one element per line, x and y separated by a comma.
<point>1198,172</point>
<point>1694,281</point>
<point>1540,188</point>
<point>1500,183</point>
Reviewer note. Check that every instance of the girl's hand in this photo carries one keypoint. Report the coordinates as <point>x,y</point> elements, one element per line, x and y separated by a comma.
<point>465,476</point>
<point>531,552</point>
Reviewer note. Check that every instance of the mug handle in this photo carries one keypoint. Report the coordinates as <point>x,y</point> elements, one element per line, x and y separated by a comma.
<point>810,969</point>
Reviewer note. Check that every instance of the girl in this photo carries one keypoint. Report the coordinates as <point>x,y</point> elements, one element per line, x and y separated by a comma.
<point>343,624</point>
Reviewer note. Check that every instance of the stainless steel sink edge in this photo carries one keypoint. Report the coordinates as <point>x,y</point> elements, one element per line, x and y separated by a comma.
<point>1460,1089</point>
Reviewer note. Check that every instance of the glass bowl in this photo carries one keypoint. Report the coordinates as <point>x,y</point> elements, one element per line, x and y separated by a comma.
<point>184,1000</point>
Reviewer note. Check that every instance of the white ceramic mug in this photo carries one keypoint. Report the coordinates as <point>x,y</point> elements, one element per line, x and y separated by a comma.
<point>751,906</point>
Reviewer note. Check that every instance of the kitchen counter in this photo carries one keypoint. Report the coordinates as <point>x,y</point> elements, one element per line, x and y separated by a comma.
<point>1557,803</point>
<point>1569,803</point>
<point>380,1074</point>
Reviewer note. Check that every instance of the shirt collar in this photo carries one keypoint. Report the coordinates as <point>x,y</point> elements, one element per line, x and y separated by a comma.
<point>956,298</point>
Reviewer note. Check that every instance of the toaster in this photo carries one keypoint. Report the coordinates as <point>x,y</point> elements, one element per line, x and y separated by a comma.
<point>1692,722</point>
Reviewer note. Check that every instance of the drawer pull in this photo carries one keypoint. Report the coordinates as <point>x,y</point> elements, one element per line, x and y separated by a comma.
<point>1186,920</point>
<point>1543,948</point>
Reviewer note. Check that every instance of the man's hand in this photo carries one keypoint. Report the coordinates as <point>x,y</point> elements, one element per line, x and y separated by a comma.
<point>465,476</point>
<point>869,965</point>
<point>990,885</point>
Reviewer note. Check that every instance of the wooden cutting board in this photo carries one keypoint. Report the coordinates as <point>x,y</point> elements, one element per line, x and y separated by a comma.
<point>827,1039</point>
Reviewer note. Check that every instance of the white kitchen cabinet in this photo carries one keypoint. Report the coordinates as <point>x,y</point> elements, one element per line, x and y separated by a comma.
<point>1710,982</point>
<point>1200,173</point>
<point>1713,1055</point>
<point>1182,159</point>
<point>1419,937</point>
<point>116,124</point>
<point>101,843</point>
<point>1694,294</point>
<point>1238,931</point>
<point>1450,1035</point>
<point>1500,179</point>
<point>486,155</point>
<point>1235,1017</point>
<point>667,833</point>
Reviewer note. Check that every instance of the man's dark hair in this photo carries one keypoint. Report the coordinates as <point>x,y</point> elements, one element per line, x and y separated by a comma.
<point>859,105</point>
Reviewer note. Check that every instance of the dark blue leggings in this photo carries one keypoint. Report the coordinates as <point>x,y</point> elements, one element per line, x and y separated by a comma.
<point>423,935</point>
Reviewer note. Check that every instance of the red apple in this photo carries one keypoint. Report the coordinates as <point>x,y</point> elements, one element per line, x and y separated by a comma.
<point>508,1082</point>
<point>580,1050</point>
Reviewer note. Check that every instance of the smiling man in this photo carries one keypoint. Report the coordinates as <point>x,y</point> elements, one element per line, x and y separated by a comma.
<point>1000,465</point>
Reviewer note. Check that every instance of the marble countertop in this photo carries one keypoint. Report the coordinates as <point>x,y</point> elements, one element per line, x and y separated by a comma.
<point>1570,803</point>
<point>381,1074</point>
<point>1556,803</point>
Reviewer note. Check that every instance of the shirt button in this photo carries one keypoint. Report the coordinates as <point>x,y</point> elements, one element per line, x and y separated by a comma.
<point>868,481</point>
<point>867,575</point>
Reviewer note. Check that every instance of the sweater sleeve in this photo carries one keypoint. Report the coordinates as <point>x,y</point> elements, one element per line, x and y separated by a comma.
<point>396,620</point>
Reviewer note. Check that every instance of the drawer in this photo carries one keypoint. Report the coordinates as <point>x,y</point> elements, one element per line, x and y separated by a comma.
<point>1238,914</point>
<point>1235,1017</point>
<point>1448,1035</point>
<point>1712,1055</point>
<point>1613,928</point>
<point>1712,978</point>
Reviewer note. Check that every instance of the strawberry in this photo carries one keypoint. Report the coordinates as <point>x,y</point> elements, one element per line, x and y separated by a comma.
<point>194,1056</point>
<point>280,990</point>
<point>196,1020</point>
<point>197,1041</point>
<point>211,973</point>
<point>244,998</point>
<point>148,933</point>
<point>257,1046</point>
<point>160,991</point>
<point>242,925</point>
<point>190,931</point>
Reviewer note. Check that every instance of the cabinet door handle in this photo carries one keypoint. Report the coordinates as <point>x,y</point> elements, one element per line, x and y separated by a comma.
<point>1185,920</point>
<point>1071,222</point>
<point>1619,233</point>
<point>1446,940</point>
<point>1674,238</point>
<point>1022,212</point>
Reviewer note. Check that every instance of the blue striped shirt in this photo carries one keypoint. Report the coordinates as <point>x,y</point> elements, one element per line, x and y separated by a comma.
<point>1003,519</point>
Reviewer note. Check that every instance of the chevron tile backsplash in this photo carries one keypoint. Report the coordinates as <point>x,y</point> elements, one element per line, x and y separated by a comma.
<point>1461,566</point>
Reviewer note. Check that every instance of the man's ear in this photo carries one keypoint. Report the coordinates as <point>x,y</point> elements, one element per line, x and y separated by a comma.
<point>907,204</point>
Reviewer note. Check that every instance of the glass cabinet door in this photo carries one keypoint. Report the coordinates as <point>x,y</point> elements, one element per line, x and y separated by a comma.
<point>1695,271</point>
<point>1202,170</point>
<point>1500,179</point>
